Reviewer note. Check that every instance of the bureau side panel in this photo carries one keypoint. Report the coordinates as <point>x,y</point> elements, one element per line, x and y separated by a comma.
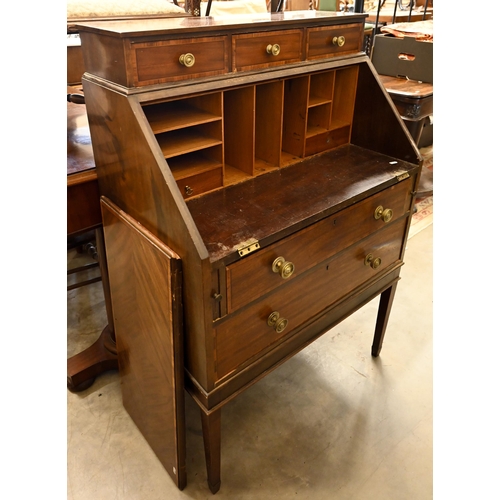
<point>145,282</point>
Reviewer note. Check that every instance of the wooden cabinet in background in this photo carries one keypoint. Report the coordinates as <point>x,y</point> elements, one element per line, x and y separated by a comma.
<point>265,155</point>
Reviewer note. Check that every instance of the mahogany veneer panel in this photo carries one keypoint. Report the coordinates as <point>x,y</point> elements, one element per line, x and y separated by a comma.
<point>146,289</point>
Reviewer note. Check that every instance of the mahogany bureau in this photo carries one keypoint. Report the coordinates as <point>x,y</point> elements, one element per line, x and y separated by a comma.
<point>257,187</point>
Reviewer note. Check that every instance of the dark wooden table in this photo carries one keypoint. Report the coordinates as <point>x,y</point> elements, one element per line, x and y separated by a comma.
<point>387,16</point>
<point>414,102</point>
<point>83,211</point>
<point>84,215</point>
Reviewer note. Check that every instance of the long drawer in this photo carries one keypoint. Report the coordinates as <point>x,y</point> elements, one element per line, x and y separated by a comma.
<point>256,328</point>
<point>253,276</point>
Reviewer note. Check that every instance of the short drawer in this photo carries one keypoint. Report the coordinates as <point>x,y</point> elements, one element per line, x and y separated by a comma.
<point>327,140</point>
<point>272,48</point>
<point>334,40</point>
<point>172,60</point>
<point>201,182</point>
<point>251,331</point>
<point>253,276</point>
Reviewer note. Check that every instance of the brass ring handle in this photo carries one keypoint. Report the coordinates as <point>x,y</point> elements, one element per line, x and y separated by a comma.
<point>384,213</point>
<point>187,60</point>
<point>338,40</point>
<point>273,49</point>
<point>372,261</point>
<point>188,190</point>
<point>284,268</point>
<point>274,321</point>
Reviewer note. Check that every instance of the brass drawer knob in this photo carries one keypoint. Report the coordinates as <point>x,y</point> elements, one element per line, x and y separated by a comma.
<point>338,40</point>
<point>283,268</point>
<point>273,49</point>
<point>384,213</point>
<point>187,60</point>
<point>373,262</point>
<point>274,321</point>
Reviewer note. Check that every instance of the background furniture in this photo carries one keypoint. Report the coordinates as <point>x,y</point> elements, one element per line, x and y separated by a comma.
<point>403,57</point>
<point>264,154</point>
<point>84,216</point>
<point>414,101</point>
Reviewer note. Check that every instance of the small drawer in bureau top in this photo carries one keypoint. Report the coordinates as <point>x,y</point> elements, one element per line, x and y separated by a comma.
<point>200,182</point>
<point>252,330</point>
<point>334,40</point>
<point>179,59</point>
<point>253,276</point>
<point>270,48</point>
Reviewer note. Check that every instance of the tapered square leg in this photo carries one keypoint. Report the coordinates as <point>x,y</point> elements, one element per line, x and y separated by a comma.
<point>211,425</point>
<point>384,309</point>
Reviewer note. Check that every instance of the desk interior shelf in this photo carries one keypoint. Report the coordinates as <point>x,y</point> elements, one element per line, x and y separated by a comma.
<point>242,132</point>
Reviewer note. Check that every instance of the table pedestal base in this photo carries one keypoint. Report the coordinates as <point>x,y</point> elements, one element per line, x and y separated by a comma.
<point>100,357</point>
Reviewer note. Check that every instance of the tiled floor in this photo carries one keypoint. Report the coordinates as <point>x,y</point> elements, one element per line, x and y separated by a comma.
<point>331,423</point>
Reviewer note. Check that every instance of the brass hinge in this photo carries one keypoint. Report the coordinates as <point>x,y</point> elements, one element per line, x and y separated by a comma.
<point>248,247</point>
<point>402,177</point>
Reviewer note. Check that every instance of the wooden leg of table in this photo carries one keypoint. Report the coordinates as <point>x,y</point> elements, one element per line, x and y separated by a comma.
<point>212,440</point>
<point>100,357</point>
<point>415,128</point>
<point>384,309</point>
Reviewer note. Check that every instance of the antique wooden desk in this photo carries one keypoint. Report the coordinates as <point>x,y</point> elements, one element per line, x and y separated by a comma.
<point>257,186</point>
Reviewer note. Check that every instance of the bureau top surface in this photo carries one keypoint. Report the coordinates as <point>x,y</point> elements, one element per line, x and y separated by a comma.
<point>275,204</point>
<point>191,24</point>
